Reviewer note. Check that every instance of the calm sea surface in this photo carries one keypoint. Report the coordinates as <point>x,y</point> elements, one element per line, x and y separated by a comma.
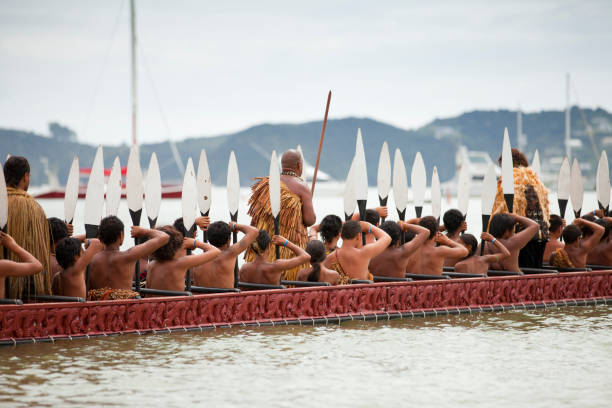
<point>556,357</point>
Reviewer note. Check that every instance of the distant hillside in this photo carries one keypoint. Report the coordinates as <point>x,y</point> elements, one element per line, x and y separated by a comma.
<point>438,142</point>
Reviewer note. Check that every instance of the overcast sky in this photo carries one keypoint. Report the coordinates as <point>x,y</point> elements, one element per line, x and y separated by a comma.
<point>219,67</point>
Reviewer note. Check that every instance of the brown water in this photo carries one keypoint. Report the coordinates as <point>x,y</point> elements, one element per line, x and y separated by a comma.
<point>555,357</point>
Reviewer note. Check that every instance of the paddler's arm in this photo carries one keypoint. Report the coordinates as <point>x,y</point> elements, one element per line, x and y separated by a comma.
<point>189,261</point>
<point>382,240</point>
<point>301,256</point>
<point>499,256</point>
<point>308,215</point>
<point>449,248</point>
<point>519,240</point>
<point>250,235</point>
<point>29,265</point>
<point>598,231</point>
<point>92,247</point>
<point>156,240</point>
<point>421,236</point>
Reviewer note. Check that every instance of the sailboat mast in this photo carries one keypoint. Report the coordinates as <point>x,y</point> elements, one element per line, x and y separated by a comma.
<point>568,149</point>
<point>134,78</point>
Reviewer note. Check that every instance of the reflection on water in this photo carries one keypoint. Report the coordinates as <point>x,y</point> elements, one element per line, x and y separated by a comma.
<point>540,358</point>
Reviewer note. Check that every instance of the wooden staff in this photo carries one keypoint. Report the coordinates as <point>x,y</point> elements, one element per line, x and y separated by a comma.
<point>314,177</point>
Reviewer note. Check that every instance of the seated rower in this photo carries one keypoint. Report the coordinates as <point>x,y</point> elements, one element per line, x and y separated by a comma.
<point>502,228</point>
<point>111,272</point>
<point>474,263</point>
<point>329,228</point>
<point>353,258</point>
<point>58,231</point>
<point>269,273</point>
<point>71,279</point>
<point>577,247</point>
<point>555,229</point>
<point>373,217</point>
<point>432,256</point>
<point>27,267</point>
<point>602,253</point>
<point>170,261</point>
<point>392,262</point>
<point>317,272</point>
<point>219,273</point>
<point>455,225</point>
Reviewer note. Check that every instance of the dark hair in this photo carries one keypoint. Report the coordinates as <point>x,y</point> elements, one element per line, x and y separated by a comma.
<point>586,230</point>
<point>15,168</point>
<point>166,252</point>
<point>500,223</point>
<point>571,233</point>
<point>330,227</point>
<point>469,239</point>
<point>58,230</point>
<point>554,223</point>
<point>316,250</point>
<point>66,250</point>
<point>606,225</point>
<point>431,224</point>
<point>350,229</point>
<point>261,242</point>
<point>394,231</point>
<point>518,159</point>
<point>218,233</point>
<point>372,217</point>
<point>110,229</point>
<point>452,220</point>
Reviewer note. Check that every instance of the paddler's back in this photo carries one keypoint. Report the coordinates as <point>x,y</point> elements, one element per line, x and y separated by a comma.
<point>108,269</point>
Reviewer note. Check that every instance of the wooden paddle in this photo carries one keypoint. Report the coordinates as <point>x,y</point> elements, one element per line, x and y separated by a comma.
<point>384,176</point>
<point>487,199</point>
<point>153,193</point>
<point>94,201</point>
<point>602,183</point>
<point>463,189</point>
<point>576,188</point>
<point>535,164</point>
<point>418,180</point>
<point>233,197</point>
<point>275,195</point>
<point>400,184</point>
<point>507,172</point>
<point>189,206</point>
<point>361,179</point>
<point>563,185</point>
<point>71,193</point>
<point>3,212</point>
<point>204,188</point>
<point>134,191</point>
<point>350,201</point>
<point>314,176</point>
<point>113,189</point>
<point>436,195</point>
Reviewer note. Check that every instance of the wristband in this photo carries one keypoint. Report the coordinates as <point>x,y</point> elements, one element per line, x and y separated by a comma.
<point>194,242</point>
<point>370,229</point>
<point>593,212</point>
<point>285,244</point>
<point>493,240</point>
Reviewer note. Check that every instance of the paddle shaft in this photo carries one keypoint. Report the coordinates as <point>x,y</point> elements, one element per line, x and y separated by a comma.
<point>135,215</point>
<point>234,218</point>
<point>204,232</point>
<point>485,224</point>
<point>277,232</point>
<point>314,176</point>
<point>191,233</point>
<point>361,204</point>
<point>383,203</point>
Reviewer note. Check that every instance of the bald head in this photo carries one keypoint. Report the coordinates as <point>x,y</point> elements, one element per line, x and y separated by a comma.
<point>291,160</point>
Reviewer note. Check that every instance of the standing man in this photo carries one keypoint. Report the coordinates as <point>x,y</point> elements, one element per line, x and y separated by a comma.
<point>28,226</point>
<point>296,211</point>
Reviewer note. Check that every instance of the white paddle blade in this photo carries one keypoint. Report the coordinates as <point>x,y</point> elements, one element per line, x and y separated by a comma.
<point>189,199</point>
<point>384,172</point>
<point>134,189</point>
<point>3,201</point>
<point>436,194</point>
<point>94,197</point>
<point>233,184</point>
<point>113,189</point>
<point>274,185</point>
<point>361,171</point>
<point>576,189</point>
<point>463,188</point>
<point>350,201</point>
<point>535,163</point>
<point>418,180</point>
<point>489,190</point>
<point>153,192</point>
<point>400,182</point>
<point>507,173</point>
<point>563,182</point>
<point>204,184</point>
<point>71,194</point>
<point>602,184</point>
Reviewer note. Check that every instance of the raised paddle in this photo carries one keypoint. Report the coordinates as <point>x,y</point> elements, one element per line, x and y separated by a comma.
<point>400,184</point>
<point>576,189</point>
<point>602,183</point>
<point>275,195</point>
<point>134,191</point>
<point>383,180</point>
<point>463,189</point>
<point>94,201</point>
<point>113,189</point>
<point>3,212</point>
<point>152,191</point>
<point>204,188</point>
<point>436,195</point>
<point>314,176</point>
<point>418,180</point>
<point>507,172</point>
<point>563,186</point>
<point>535,163</point>
<point>233,197</point>
<point>350,201</point>
<point>189,206</point>
<point>487,199</point>
<point>361,179</point>
<point>71,193</point>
